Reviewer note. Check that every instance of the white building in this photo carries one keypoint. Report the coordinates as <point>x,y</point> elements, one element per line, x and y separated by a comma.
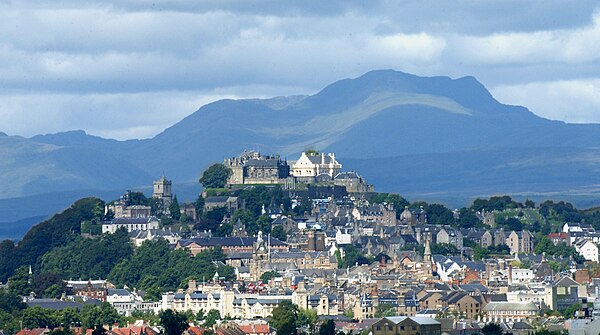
<point>313,165</point>
<point>520,276</point>
<point>343,238</point>
<point>587,249</point>
<point>130,224</point>
<point>502,311</point>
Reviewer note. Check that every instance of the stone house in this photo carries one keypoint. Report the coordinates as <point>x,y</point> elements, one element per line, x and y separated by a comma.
<point>520,242</point>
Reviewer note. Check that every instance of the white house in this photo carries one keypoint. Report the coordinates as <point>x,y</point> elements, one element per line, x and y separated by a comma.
<point>503,311</point>
<point>587,249</point>
<point>343,238</point>
<point>313,165</point>
<point>521,276</point>
<point>130,224</point>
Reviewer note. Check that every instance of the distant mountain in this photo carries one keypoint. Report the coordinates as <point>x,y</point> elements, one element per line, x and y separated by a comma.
<point>420,136</point>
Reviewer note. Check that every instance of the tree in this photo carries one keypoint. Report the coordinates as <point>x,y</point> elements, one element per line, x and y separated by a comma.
<point>19,283</point>
<point>44,281</point>
<point>327,328</point>
<point>69,317</point>
<point>199,205</point>
<point>174,323</point>
<point>174,208</point>
<point>59,331</point>
<point>491,329</point>
<point>37,317</point>
<point>468,219</point>
<point>279,233</point>
<point>306,318</point>
<point>439,214</point>
<point>99,330</point>
<point>444,249</point>
<point>108,314</point>
<point>10,302</point>
<point>215,176</point>
<point>385,309</point>
<point>57,231</point>
<point>226,229</point>
<point>247,219</point>
<point>285,317</point>
<point>352,256</point>
<point>211,318</point>
<point>513,224</point>
<point>569,312</point>
<point>90,316</point>
<point>265,277</point>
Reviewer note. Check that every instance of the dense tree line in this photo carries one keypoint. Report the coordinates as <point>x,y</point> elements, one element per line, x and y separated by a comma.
<point>57,231</point>
<point>14,314</point>
<point>156,268</point>
<point>88,258</point>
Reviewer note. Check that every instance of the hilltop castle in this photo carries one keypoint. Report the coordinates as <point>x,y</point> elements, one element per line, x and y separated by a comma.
<point>311,168</point>
<point>253,168</point>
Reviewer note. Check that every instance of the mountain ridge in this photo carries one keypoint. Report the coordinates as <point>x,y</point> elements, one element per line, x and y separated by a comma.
<point>381,116</point>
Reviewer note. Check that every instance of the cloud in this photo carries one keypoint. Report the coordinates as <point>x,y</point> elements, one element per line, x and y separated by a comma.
<point>574,101</point>
<point>75,64</point>
<point>549,46</point>
<point>119,116</point>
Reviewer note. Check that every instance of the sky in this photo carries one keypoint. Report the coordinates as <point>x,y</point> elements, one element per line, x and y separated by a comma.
<point>129,69</point>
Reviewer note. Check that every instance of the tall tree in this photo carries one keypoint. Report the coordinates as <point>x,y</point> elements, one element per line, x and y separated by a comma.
<point>327,328</point>
<point>175,209</point>
<point>199,205</point>
<point>285,317</point>
<point>215,176</point>
<point>491,329</point>
<point>174,323</point>
<point>20,282</point>
<point>211,318</point>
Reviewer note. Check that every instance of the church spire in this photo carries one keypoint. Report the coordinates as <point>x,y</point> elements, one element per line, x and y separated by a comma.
<point>427,253</point>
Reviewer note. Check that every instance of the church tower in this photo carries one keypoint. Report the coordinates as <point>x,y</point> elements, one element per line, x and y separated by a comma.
<point>427,260</point>
<point>260,256</point>
<point>162,191</point>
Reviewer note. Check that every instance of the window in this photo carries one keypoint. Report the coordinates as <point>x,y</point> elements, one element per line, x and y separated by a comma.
<point>390,328</point>
<point>378,327</point>
<point>401,327</point>
<point>414,328</point>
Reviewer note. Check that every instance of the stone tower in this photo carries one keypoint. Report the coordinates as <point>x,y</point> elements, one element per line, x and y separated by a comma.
<point>427,260</point>
<point>162,190</point>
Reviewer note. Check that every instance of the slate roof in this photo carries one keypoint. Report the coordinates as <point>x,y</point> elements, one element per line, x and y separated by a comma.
<point>418,319</point>
<point>474,287</point>
<point>264,163</point>
<point>216,199</point>
<point>565,281</point>
<point>347,175</point>
<point>117,291</point>
<point>131,220</point>
<point>510,306</point>
<point>227,241</point>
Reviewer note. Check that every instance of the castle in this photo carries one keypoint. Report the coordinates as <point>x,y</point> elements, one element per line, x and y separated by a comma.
<point>253,168</point>
<point>311,168</point>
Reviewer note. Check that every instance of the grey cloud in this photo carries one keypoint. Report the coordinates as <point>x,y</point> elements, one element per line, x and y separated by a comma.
<point>80,63</point>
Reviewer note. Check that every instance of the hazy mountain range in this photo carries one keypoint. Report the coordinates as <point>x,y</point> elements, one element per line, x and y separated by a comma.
<point>431,138</point>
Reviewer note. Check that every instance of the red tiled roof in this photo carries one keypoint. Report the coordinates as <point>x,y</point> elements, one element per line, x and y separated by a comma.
<point>196,330</point>
<point>34,331</point>
<point>255,328</point>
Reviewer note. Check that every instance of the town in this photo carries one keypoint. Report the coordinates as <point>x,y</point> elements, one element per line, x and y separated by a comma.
<point>290,247</point>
